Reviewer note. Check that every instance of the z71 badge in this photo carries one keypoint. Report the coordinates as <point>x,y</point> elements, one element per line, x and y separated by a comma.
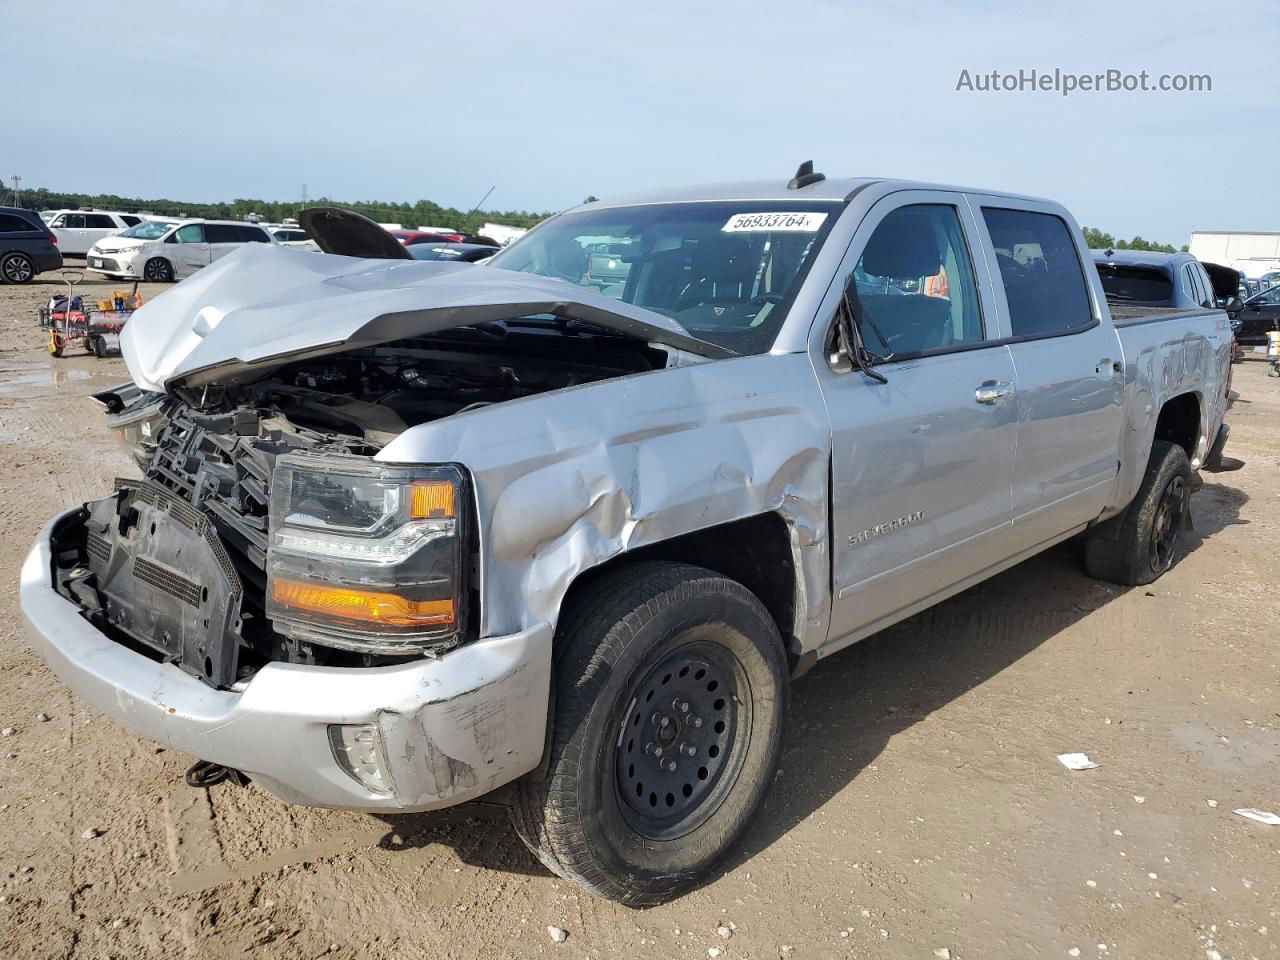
<point>862,536</point>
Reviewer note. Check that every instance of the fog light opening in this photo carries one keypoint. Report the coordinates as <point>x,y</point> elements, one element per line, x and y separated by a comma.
<point>357,747</point>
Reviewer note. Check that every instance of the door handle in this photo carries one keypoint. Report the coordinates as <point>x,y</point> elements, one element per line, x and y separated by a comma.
<point>993,391</point>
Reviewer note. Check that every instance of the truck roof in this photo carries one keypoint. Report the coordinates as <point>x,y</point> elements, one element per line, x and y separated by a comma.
<point>1144,258</point>
<point>832,188</point>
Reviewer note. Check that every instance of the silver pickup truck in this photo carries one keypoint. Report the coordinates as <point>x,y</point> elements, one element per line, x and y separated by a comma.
<point>567,523</point>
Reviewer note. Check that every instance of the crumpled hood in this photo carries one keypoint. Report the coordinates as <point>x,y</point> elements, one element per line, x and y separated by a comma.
<point>266,304</point>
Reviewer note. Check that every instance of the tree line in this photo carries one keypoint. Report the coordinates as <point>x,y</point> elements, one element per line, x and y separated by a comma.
<point>412,215</point>
<point>1097,240</point>
<point>421,213</point>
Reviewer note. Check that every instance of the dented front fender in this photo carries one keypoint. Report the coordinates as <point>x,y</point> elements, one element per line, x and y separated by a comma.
<point>568,480</point>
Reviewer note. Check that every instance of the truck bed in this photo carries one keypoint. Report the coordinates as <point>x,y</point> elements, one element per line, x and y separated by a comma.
<point>1126,314</point>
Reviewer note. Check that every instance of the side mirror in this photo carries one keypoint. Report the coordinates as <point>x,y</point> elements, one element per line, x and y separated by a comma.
<point>1233,305</point>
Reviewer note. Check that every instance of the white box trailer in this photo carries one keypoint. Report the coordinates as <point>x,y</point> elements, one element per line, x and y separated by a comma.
<point>1252,253</point>
<point>501,232</point>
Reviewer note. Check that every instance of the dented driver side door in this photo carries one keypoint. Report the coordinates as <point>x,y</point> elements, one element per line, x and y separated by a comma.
<point>922,466</point>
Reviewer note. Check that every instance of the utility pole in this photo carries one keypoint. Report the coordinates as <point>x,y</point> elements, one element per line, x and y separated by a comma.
<point>17,194</point>
<point>304,194</point>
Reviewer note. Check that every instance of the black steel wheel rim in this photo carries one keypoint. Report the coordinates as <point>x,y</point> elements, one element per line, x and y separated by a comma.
<point>1166,527</point>
<point>683,738</point>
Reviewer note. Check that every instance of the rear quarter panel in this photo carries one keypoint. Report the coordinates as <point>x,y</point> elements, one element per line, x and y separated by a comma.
<point>1166,357</point>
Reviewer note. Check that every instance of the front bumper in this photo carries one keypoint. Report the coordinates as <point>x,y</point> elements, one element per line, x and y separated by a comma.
<point>113,264</point>
<point>453,728</point>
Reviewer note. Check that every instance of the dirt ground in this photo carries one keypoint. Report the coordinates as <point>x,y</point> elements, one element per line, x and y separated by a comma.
<point>920,805</point>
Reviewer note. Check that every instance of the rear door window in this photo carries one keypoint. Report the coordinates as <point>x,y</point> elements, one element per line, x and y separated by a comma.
<point>99,221</point>
<point>221,233</point>
<point>1044,282</point>
<point>1209,300</point>
<point>253,235</point>
<point>131,221</point>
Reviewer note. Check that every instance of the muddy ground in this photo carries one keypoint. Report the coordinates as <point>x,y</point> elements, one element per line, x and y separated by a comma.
<point>920,805</point>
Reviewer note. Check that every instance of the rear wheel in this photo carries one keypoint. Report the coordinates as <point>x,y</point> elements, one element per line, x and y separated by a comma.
<point>158,270</point>
<point>671,694</point>
<point>1140,544</point>
<point>99,347</point>
<point>16,268</point>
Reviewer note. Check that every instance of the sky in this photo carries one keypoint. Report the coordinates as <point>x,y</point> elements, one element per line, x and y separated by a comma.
<point>554,100</point>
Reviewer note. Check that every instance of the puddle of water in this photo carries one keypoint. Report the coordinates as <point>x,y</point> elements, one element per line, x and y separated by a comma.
<point>19,380</point>
<point>1236,753</point>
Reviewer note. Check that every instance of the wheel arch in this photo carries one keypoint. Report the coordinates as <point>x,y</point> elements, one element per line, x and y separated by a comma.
<point>1181,421</point>
<point>758,552</point>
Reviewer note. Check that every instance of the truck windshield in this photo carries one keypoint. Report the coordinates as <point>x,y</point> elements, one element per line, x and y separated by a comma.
<point>1135,284</point>
<point>725,271</point>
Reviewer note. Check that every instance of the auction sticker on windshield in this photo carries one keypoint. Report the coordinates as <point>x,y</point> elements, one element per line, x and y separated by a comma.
<point>774,223</point>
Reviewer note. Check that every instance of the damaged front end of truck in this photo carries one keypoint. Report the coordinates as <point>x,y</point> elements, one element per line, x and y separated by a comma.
<point>264,529</point>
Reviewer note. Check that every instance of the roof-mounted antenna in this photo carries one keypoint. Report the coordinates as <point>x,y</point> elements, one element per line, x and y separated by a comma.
<point>805,176</point>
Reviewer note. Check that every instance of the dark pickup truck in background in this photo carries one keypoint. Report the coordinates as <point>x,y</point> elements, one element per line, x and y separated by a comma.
<point>1146,285</point>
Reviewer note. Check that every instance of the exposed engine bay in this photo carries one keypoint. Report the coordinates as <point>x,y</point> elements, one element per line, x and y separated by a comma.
<point>175,565</point>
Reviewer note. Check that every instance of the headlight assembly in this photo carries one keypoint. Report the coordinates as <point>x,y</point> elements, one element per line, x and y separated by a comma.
<point>365,556</point>
<point>136,418</point>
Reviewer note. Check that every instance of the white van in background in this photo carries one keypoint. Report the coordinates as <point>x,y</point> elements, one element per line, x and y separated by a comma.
<point>160,251</point>
<point>78,230</point>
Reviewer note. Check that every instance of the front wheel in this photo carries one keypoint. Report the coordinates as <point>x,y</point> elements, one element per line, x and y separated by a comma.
<point>158,270</point>
<point>671,695</point>
<point>1142,543</point>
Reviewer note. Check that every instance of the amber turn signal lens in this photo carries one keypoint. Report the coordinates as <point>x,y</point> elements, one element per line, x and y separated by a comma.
<point>431,501</point>
<point>365,606</point>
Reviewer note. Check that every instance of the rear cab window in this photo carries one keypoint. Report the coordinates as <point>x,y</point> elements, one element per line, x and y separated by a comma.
<point>1135,283</point>
<point>1040,268</point>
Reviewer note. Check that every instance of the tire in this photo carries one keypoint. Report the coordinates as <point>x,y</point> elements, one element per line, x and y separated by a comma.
<point>1141,544</point>
<point>157,270</point>
<point>17,268</point>
<point>636,634</point>
<point>99,347</point>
